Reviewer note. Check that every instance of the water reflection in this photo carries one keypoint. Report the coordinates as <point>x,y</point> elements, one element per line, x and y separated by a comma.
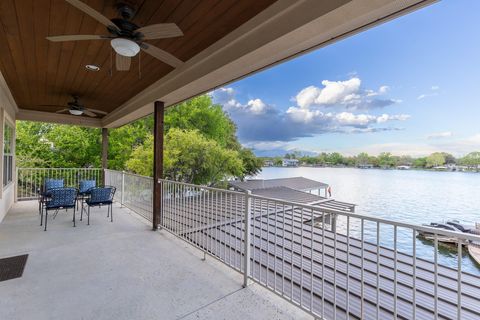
<point>415,197</point>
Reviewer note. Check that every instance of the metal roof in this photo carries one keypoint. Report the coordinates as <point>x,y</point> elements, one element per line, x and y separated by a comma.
<point>297,183</point>
<point>288,253</point>
<point>297,196</point>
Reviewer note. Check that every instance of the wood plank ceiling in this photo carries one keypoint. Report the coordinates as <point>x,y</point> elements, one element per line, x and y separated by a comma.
<point>39,72</point>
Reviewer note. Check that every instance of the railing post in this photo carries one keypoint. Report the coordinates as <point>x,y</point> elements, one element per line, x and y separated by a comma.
<point>122,197</point>
<point>16,184</point>
<point>246,257</point>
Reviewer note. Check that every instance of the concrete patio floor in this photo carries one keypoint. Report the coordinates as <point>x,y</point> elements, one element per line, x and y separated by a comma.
<point>120,270</point>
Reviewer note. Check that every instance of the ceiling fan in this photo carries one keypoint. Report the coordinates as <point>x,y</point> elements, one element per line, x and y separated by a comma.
<point>126,38</point>
<point>76,108</point>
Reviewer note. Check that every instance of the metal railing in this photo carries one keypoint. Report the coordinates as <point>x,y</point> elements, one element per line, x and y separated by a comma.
<point>30,180</point>
<point>366,268</point>
<point>133,191</point>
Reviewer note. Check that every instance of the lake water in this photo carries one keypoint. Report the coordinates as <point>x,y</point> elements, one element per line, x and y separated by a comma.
<point>411,196</point>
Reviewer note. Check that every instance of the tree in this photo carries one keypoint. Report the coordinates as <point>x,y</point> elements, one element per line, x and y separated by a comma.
<point>420,162</point>
<point>471,160</point>
<point>251,164</point>
<point>61,146</point>
<point>362,159</point>
<point>209,119</point>
<point>386,160</point>
<point>435,159</point>
<point>335,158</point>
<point>190,157</point>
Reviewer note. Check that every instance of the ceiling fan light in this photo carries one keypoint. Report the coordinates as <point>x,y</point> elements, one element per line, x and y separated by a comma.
<point>75,112</point>
<point>125,47</point>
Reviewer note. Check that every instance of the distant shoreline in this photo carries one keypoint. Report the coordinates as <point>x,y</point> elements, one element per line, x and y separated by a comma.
<point>375,168</point>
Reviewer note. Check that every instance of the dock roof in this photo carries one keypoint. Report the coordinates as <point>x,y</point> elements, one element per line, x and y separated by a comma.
<point>297,183</point>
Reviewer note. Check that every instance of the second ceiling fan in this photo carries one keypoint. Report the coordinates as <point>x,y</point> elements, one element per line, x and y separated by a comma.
<point>126,38</point>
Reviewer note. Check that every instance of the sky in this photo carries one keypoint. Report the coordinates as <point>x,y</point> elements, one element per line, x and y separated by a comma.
<point>409,86</point>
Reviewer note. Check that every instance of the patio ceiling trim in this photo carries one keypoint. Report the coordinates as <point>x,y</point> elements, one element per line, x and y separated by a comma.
<point>32,115</point>
<point>283,31</point>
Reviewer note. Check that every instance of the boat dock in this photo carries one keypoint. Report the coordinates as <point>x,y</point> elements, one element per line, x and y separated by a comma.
<point>338,276</point>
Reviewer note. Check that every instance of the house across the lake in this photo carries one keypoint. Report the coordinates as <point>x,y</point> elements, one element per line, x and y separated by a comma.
<point>290,162</point>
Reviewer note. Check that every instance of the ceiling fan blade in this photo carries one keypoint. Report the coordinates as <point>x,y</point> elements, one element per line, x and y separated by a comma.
<point>89,113</point>
<point>76,37</point>
<point>96,111</point>
<point>51,105</point>
<point>63,110</point>
<point>162,55</point>
<point>92,13</point>
<point>160,31</point>
<point>122,62</point>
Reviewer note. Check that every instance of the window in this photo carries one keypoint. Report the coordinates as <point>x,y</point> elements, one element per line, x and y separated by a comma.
<point>7,154</point>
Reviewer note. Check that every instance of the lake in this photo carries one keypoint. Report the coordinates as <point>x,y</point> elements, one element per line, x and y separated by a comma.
<point>410,196</point>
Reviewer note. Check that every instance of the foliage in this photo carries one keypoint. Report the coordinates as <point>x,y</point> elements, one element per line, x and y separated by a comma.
<point>48,145</point>
<point>131,146</point>
<point>191,157</point>
<point>251,164</point>
<point>209,119</point>
<point>420,162</point>
<point>385,160</point>
<point>471,160</point>
<point>435,159</point>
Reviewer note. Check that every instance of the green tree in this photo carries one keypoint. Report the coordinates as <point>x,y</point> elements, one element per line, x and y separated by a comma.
<point>362,159</point>
<point>335,158</point>
<point>471,160</point>
<point>209,119</point>
<point>251,164</point>
<point>386,160</point>
<point>420,162</point>
<point>435,159</point>
<point>191,157</point>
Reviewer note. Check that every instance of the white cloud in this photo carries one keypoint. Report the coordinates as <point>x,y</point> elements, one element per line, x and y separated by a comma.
<point>434,93</point>
<point>256,106</point>
<point>346,94</point>
<point>258,121</point>
<point>333,92</point>
<point>439,135</point>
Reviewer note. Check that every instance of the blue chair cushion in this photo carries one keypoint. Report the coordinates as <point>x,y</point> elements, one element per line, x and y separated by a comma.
<point>61,198</point>
<point>52,184</point>
<point>86,185</point>
<point>101,196</point>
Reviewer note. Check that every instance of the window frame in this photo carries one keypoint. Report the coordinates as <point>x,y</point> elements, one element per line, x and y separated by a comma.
<point>8,157</point>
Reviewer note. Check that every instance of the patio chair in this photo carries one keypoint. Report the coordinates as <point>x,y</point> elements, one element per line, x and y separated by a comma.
<point>59,198</point>
<point>43,191</point>
<point>100,196</point>
<point>83,189</point>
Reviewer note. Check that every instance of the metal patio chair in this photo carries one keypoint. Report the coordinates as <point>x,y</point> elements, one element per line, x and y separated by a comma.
<point>84,187</point>
<point>100,196</point>
<point>59,198</point>
<point>48,184</point>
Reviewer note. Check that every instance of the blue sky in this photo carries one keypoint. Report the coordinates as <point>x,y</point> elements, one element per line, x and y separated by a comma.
<point>408,86</point>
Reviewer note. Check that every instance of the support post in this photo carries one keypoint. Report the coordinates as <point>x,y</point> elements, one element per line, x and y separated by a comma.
<point>122,196</point>
<point>104,152</point>
<point>158,115</point>
<point>246,256</point>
